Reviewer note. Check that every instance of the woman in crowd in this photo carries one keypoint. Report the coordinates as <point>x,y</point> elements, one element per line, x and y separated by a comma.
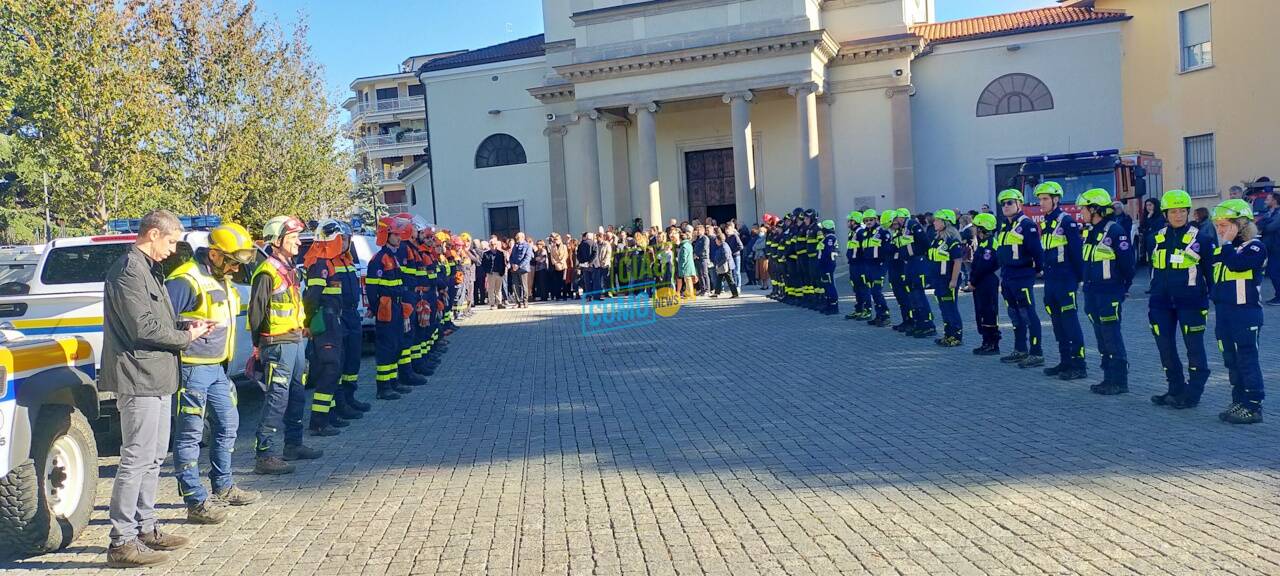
<point>722,260</point>
<point>665,261</point>
<point>759,259</point>
<point>1237,272</point>
<point>569,289</point>
<point>559,257</point>
<point>1153,221</point>
<point>494,263</point>
<point>685,270</point>
<point>540,266</point>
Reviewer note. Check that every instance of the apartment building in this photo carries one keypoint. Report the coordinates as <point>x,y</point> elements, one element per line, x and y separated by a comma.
<point>388,127</point>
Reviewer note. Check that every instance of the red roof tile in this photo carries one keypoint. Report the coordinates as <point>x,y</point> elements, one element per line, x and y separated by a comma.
<point>1015,23</point>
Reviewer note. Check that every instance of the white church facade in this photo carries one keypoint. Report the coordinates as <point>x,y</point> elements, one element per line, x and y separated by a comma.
<point>681,109</point>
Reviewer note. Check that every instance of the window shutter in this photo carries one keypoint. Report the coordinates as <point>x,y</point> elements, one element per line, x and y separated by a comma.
<point>1196,26</point>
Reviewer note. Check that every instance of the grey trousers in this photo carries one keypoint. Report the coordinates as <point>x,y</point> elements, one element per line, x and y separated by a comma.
<point>144,428</point>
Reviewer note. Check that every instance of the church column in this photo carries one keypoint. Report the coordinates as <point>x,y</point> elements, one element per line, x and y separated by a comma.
<point>623,211</point>
<point>559,185</point>
<point>650,192</point>
<point>589,170</point>
<point>807,124</point>
<point>827,156</point>
<point>744,163</point>
<point>904,174</point>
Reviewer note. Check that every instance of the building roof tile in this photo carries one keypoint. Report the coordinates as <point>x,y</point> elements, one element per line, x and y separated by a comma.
<point>527,47</point>
<point>1035,20</point>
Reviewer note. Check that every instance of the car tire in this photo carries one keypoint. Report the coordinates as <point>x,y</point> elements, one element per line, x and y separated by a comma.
<point>45,502</point>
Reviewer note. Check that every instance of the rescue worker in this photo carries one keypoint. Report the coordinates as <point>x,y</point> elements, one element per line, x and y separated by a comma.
<point>413,280</point>
<point>427,298</point>
<point>384,288</point>
<point>773,244</point>
<point>918,268</point>
<point>353,340</point>
<point>1020,252</point>
<point>1181,271</point>
<point>827,268</point>
<point>201,289</point>
<point>813,253</point>
<point>278,325</point>
<point>790,241</point>
<point>1237,269</point>
<point>872,253</point>
<point>1060,242</point>
<point>902,253</point>
<point>945,256</point>
<point>984,282</point>
<point>322,300</point>
<point>854,259</point>
<point>1108,272</point>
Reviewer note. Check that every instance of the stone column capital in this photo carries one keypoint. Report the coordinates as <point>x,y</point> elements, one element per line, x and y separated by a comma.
<point>557,130</point>
<point>803,89</point>
<point>744,95</point>
<point>650,106</point>
<point>905,90</point>
<point>592,114</point>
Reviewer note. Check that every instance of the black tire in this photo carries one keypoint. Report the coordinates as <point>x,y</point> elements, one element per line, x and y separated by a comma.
<point>26,515</point>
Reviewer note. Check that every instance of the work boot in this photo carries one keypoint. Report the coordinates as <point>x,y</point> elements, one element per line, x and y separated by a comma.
<point>1031,361</point>
<point>134,554</point>
<point>902,327</point>
<point>411,378</point>
<point>157,540</point>
<point>387,394</point>
<point>301,452</point>
<point>237,496</point>
<point>987,349</point>
<point>948,342</point>
<point>1110,389</point>
<point>925,332</point>
<point>425,370</point>
<point>1183,403</point>
<point>337,422</point>
<point>1164,399</point>
<point>1014,357</point>
<point>206,512</point>
<point>1244,414</point>
<point>1231,408</point>
<point>1076,373</point>
<point>852,315</point>
<point>402,389</point>
<point>349,394</point>
<point>1055,369</point>
<point>272,466</point>
<point>322,431</point>
<point>831,310</point>
<point>346,411</point>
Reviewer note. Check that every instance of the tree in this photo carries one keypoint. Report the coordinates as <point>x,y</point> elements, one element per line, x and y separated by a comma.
<point>86,107</point>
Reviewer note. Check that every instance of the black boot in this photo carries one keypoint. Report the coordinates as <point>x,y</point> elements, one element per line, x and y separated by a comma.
<point>349,392</point>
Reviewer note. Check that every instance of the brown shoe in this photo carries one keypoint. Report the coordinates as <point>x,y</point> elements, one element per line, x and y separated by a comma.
<point>157,540</point>
<point>134,554</point>
<point>207,512</point>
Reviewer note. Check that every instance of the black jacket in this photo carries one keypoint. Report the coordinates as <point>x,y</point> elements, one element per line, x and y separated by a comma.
<point>586,253</point>
<point>494,262</point>
<point>140,335</point>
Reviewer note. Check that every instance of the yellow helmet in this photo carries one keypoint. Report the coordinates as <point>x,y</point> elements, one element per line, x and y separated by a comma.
<point>466,237</point>
<point>234,241</point>
<point>442,237</point>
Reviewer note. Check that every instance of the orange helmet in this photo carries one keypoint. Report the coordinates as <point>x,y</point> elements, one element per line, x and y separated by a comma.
<point>393,225</point>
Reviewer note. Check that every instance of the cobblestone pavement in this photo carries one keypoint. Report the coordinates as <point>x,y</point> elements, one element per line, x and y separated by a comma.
<point>743,437</point>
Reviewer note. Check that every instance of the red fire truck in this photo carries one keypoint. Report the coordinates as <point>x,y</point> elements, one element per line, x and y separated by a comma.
<point>1128,176</point>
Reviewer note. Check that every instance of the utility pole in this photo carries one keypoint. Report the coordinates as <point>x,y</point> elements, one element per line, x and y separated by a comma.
<point>48,225</point>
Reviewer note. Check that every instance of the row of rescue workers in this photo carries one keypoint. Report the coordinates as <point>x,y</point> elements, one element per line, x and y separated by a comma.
<point>1190,269</point>
<point>307,335</point>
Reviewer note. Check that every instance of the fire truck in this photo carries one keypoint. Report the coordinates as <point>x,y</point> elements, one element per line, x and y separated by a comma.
<point>1128,176</point>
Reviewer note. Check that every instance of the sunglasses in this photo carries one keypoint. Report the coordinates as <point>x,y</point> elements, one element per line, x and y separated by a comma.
<point>1009,203</point>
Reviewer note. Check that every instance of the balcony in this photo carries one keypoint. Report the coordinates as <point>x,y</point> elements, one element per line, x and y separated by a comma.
<point>387,175</point>
<point>389,106</point>
<point>383,141</point>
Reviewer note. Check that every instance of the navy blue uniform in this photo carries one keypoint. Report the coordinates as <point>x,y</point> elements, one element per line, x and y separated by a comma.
<point>1108,271</point>
<point>900,252</point>
<point>1020,253</point>
<point>1238,311</point>
<point>1181,271</point>
<point>853,254</point>
<point>351,324</point>
<point>384,289</point>
<point>918,276</point>
<point>322,301</point>
<point>1061,238</point>
<point>872,254</point>
<point>945,256</point>
<point>827,269</point>
<point>986,291</point>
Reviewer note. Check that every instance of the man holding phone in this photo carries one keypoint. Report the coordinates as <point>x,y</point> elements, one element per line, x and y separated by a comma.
<point>203,295</point>
<point>141,341</point>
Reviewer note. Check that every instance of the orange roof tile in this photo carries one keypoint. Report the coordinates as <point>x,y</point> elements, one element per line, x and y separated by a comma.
<point>1015,23</point>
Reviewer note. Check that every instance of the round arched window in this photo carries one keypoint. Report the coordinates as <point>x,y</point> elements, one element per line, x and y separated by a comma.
<point>1014,93</point>
<point>499,150</point>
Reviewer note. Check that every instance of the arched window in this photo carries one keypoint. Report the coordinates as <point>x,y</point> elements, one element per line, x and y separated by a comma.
<point>1014,93</point>
<point>499,150</point>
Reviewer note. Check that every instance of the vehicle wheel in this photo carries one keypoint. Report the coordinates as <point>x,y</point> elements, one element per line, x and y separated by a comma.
<point>46,504</point>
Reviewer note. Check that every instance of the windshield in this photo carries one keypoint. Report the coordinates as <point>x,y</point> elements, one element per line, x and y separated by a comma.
<point>1074,184</point>
<point>81,264</point>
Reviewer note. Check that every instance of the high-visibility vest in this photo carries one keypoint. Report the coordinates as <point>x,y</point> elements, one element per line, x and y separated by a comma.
<point>287,314</point>
<point>1243,283</point>
<point>219,302</point>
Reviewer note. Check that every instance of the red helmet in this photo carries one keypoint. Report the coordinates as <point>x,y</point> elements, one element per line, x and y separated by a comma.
<point>769,219</point>
<point>393,225</point>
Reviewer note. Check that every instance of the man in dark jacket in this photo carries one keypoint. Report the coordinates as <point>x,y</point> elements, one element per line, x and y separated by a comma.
<point>521,259</point>
<point>1269,227</point>
<point>586,256</point>
<point>141,340</point>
